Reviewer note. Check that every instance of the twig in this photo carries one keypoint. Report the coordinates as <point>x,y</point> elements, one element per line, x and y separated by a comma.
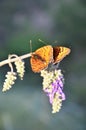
<point>7,61</point>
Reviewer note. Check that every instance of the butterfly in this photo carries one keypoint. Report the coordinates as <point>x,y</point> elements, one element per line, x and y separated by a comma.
<point>42,57</point>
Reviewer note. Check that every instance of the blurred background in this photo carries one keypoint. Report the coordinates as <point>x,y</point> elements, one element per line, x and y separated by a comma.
<point>57,22</point>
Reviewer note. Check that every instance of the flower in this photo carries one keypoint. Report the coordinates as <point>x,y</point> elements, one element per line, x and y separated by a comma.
<point>53,82</point>
<point>9,81</point>
<point>20,68</point>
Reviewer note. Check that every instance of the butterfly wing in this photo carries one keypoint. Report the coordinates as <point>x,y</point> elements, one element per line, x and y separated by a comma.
<point>59,53</point>
<point>41,58</point>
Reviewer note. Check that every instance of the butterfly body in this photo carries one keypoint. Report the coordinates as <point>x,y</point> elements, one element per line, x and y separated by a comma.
<point>43,56</point>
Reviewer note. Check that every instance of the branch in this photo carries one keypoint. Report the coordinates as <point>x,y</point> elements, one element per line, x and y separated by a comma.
<point>4,62</point>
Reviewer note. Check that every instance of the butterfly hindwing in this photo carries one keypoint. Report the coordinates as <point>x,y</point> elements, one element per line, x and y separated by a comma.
<point>59,53</point>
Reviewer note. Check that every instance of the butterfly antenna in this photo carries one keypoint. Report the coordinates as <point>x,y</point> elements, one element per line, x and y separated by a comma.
<point>30,46</point>
<point>42,41</point>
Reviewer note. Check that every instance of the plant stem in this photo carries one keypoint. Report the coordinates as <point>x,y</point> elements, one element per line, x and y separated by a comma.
<point>7,61</point>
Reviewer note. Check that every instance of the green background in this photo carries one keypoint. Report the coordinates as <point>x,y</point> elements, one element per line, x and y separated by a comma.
<point>57,22</point>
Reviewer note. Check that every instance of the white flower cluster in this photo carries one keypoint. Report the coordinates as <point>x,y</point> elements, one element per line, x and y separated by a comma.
<point>9,81</point>
<point>12,76</point>
<point>49,77</point>
<point>20,67</point>
<point>57,103</point>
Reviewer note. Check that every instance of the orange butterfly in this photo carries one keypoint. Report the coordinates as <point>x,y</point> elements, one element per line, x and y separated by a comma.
<point>43,56</point>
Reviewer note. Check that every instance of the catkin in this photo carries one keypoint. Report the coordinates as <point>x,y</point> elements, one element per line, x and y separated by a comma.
<point>20,67</point>
<point>9,81</point>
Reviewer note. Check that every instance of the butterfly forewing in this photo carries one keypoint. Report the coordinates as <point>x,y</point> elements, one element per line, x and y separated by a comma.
<point>41,58</point>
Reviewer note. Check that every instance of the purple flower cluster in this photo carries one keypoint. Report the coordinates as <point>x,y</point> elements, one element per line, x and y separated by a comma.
<point>57,87</point>
<point>53,82</point>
